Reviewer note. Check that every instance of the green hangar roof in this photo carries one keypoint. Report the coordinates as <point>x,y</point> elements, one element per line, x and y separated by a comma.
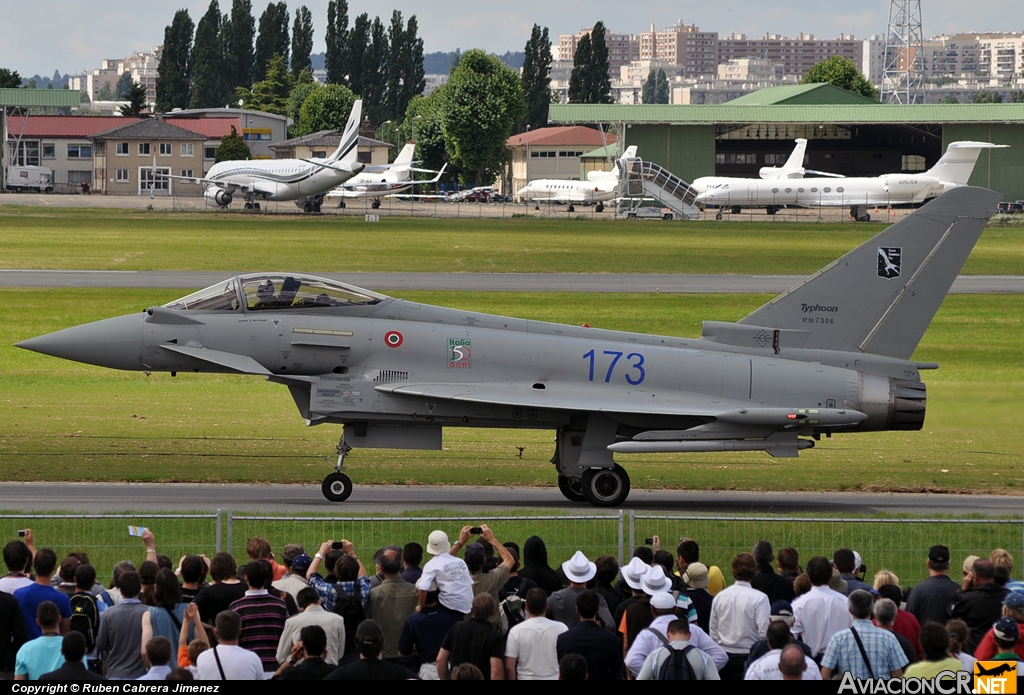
<point>736,113</point>
<point>815,93</point>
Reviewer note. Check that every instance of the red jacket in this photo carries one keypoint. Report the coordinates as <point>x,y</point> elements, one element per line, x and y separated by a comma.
<point>987,647</point>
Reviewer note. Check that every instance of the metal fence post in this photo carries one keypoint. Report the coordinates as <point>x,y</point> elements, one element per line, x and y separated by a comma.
<point>219,546</point>
<point>230,530</point>
<point>632,539</point>
<point>621,524</point>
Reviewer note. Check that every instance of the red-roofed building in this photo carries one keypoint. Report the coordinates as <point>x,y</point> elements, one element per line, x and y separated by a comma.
<point>552,153</point>
<point>61,143</point>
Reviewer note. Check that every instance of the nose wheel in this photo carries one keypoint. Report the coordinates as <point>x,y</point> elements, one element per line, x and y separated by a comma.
<point>337,487</point>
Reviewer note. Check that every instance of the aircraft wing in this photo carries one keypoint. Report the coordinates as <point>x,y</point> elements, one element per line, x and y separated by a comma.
<point>225,184</point>
<point>828,174</point>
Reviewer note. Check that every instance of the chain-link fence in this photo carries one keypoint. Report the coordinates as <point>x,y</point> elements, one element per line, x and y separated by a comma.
<point>899,545</point>
<point>595,535</point>
<point>106,540</point>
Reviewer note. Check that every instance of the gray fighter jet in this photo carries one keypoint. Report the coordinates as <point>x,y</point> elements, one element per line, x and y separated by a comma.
<point>832,355</point>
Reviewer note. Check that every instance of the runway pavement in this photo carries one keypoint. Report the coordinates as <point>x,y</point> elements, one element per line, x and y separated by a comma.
<point>475,282</point>
<point>95,498</point>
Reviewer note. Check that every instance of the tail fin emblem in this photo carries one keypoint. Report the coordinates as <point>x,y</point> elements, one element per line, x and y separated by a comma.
<point>889,260</point>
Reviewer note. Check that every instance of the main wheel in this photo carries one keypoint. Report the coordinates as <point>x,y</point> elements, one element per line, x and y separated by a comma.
<point>341,204</point>
<point>572,208</point>
<point>375,204</point>
<point>571,489</point>
<point>718,215</point>
<point>316,207</point>
<point>606,487</point>
<point>599,208</point>
<point>255,206</point>
<point>337,487</point>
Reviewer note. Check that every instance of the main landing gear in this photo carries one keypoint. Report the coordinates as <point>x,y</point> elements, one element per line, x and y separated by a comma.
<point>601,487</point>
<point>599,207</point>
<point>252,206</point>
<point>375,204</point>
<point>337,486</point>
<point>572,208</point>
<point>859,213</point>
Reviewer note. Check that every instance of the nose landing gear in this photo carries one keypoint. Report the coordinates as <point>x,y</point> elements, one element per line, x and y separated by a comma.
<point>337,487</point>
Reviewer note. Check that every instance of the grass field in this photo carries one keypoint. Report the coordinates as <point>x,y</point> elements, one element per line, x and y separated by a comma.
<point>65,421</point>
<point>99,239</point>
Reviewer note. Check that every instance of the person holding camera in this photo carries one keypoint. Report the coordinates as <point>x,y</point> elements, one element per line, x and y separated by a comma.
<point>448,571</point>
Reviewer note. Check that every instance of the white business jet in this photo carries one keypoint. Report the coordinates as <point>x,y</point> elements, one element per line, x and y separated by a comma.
<point>301,180</point>
<point>379,181</point>
<point>599,186</point>
<point>952,170</point>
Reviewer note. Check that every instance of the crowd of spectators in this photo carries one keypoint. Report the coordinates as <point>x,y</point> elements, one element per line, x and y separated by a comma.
<point>482,609</point>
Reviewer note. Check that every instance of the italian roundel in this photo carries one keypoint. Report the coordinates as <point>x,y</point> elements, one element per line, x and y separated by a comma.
<point>393,339</point>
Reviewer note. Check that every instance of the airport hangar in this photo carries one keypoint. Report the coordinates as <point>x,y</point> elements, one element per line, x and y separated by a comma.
<point>847,134</point>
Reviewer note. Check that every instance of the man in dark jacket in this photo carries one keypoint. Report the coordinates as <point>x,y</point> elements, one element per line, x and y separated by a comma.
<point>536,567</point>
<point>930,600</point>
<point>982,604</point>
<point>13,634</point>
<point>73,649</point>
<point>776,587</point>
<point>597,645</point>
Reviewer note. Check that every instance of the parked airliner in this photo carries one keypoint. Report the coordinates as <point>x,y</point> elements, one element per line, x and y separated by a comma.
<point>377,182</point>
<point>952,170</point>
<point>301,180</point>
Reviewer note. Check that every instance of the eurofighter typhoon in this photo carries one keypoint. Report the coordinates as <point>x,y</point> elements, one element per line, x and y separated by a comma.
<point>833,355</point>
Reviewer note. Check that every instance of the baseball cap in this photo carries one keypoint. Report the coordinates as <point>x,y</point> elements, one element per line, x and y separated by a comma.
<point>1006,630</point>
<point>938,553</point>
<point>301,563</point>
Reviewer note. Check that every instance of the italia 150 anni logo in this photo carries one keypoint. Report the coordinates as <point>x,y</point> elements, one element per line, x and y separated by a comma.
<point>458,353</point>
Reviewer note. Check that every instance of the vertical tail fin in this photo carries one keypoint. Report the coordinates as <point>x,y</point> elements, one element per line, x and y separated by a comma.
<point>404,157</point>
<point>348,147</point>
<point>957,164</point>
<point>794,166</point>
<point>880,297</point>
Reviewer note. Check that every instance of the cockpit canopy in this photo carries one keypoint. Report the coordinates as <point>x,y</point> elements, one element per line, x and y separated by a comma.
<point>278,291</point>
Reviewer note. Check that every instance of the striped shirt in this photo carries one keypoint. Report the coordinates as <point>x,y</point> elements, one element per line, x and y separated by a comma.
<point>263,618</point>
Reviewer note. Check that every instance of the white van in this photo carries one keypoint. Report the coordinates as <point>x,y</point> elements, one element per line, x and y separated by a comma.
<point>29,178</point>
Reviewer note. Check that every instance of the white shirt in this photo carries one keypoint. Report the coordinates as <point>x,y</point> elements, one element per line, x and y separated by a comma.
<point>453,581</point>
<point>645,643</point>
<point>11,584</point>
<point>533,643</point>
<point>739,617</point>
<point>767,668</point>
<point>239,664</point>
<point>819,614</point>
<point>332,623</point>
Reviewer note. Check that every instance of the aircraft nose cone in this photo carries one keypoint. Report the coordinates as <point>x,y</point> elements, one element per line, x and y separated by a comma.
<point>115,343</point>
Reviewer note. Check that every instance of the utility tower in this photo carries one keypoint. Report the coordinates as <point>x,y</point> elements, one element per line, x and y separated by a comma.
<point>902,75</point>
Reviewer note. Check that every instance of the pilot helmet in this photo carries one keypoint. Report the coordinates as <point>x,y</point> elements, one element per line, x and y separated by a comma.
<point>266,289</point>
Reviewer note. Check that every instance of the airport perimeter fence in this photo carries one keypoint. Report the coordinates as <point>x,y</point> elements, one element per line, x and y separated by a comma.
<point>897,544</point>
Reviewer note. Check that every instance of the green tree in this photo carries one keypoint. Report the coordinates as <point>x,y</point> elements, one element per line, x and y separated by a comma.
<point>841,72</point>
<point>481,103</point>
<point>414,80</point>
<point>174,75</point>
<point>208,86</point>
<point>240,41</point>
<point>951,100</point>
<point>601,87</point>
<point>649,95</point>
<point>397,62</point>
<point>232,148</point>
<point>661,90</point>
<point>336,58</point>
<point>302,41</point>
<point>124,84</point>
<point>270,94</point>
<point>537,78</point>
<point>9,79</point>
<point>375,74</point>
<point>136,97</point>
<point>987,97</point>
<point>1017,97</point>
<point>424,125</point>
<point>582,67</point>
<point>272,39</point>
<point>300,92</point>
<point>326,108</point>
<point>358,45</point>
<point>106,92</point>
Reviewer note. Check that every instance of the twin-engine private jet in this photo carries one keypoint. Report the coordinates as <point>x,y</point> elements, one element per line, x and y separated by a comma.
<point>833,355</point>
<point>600,186</point>
<point>304,181</point>
<point>826,190</point>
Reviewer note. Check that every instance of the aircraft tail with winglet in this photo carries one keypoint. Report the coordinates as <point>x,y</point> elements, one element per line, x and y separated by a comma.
<point>348,148</point>
<point>880,297</point>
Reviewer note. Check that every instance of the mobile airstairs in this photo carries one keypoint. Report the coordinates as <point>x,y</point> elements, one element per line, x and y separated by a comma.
<point>648,180</point>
